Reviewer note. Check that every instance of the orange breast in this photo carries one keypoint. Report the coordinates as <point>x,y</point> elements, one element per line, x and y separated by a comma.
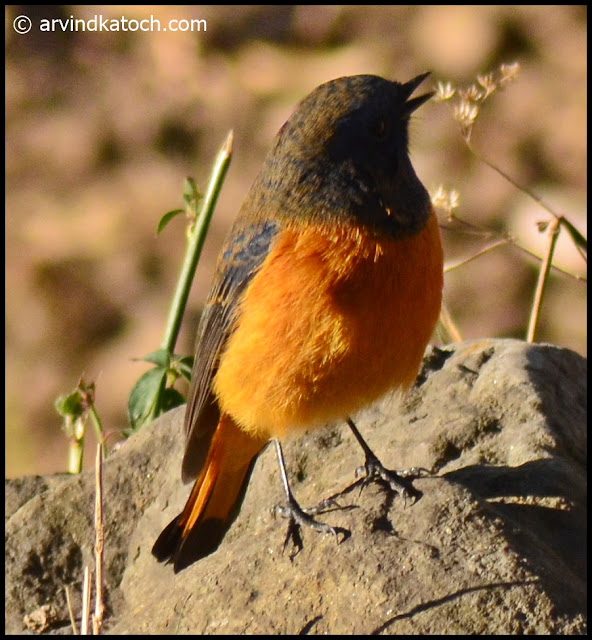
<point>330,323</point>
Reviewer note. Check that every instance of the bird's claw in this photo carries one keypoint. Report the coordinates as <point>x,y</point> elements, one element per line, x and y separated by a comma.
<point>398,481</point>
<point>304,517</point>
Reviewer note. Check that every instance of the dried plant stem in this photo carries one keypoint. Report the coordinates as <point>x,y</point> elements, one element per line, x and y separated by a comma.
<point>538,199</point>
<point>471,229</point>
<point>86,592</point>
<point>553,232</point>
<point>449,325</point>
<point>99,544</point>
<point>71,612</point>
<point>460,263</point>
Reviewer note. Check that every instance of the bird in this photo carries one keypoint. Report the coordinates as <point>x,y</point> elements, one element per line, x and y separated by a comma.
<point>326,292</point>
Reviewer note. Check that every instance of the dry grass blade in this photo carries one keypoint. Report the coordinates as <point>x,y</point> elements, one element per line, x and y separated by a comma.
<point>99,544</point>
<point>553,232</point>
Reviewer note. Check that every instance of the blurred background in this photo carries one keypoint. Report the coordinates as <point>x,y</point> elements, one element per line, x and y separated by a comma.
<point>103,127</point>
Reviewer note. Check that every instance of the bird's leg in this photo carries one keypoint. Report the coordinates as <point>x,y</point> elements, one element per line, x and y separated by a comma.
<point>398,481</point>
<point>297,515</point>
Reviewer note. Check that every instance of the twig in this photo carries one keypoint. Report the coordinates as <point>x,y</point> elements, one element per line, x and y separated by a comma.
<point>449,325</point>
<point>472,229</point>
<point>71,612</point>
<point>86,589</point>
<point>493,245</point>
<point>99,544</point>
<point>553,233</point>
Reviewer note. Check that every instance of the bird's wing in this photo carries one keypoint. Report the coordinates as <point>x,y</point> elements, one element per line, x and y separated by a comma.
<point>242,254</point>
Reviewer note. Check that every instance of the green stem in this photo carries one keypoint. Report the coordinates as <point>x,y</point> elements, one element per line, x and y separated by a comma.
<point>195,245</point>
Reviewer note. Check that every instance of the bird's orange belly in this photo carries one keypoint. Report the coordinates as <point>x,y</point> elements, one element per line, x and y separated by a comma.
<point>328,324</point>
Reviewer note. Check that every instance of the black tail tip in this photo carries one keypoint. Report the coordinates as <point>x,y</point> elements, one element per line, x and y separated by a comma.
<point>169,541</point>
<point>200,541</point>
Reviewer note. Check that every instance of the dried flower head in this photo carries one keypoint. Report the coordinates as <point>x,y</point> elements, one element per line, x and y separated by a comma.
<point>470,98</point>
<point>444,91</point>
<point>445,200</point>
<point>465,113</point>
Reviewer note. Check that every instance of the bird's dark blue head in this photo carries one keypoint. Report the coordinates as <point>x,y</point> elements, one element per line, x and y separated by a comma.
<point>343,157</point>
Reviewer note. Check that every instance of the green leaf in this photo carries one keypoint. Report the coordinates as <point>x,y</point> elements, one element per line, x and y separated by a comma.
<point>167,218</point>
<point>70,405</point>
<point>146,396</point>
<point>191,195</point>
<point>185,366</point>
<point>76,403</point>
<point>171,398</point>
<point>161,358</point>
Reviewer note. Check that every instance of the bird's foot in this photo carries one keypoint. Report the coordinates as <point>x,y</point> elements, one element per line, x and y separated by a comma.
<point>304,517</point>
<point>398,481</point>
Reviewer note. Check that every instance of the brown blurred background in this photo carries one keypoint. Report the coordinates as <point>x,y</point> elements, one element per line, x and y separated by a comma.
<point>102,129</point>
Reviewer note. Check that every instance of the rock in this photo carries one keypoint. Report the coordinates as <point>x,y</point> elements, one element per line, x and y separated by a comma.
<point>495,544</point>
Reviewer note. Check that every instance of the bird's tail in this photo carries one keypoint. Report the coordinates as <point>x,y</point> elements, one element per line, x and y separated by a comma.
<point>215,499</point>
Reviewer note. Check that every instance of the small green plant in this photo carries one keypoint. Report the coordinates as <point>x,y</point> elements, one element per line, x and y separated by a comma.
<point>154,392</point>
<point>75,408</point>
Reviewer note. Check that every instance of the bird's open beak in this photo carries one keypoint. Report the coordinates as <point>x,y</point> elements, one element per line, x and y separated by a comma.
<point>409,88</point>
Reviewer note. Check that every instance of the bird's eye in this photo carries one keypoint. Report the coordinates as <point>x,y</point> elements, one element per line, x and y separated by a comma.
<point>379,129</point>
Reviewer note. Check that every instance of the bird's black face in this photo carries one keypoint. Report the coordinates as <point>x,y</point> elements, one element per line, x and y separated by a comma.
<point>368,153</point>
<point>342,157</point>
<point>372,135</point>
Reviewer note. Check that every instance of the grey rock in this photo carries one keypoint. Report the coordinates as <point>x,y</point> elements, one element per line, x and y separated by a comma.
<point>495,544</point>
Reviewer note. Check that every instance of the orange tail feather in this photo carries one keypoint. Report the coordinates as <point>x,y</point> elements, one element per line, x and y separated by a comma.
<point>215,499</point>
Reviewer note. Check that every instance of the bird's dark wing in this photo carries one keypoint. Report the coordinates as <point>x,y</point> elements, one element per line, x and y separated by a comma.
<point>242,254</point>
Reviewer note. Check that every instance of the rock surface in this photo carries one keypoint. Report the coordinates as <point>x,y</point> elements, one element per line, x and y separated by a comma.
<point>495,544</point>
